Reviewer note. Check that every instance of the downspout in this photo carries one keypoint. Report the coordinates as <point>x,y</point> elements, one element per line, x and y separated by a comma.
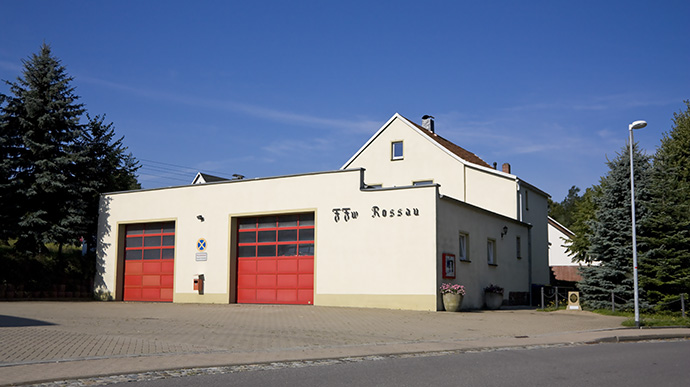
<point>519,201</point>
<point>529,262</point>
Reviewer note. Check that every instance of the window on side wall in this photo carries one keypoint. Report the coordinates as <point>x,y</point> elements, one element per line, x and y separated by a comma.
<point>518,247</point>
<point>491,252</point>
<point>462,254</point>
<point>397,150</point>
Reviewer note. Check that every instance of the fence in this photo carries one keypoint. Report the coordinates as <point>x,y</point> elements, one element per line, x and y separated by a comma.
<point>553,293</point>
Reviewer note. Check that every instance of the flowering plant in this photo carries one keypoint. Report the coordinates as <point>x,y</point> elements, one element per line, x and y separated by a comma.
<point>493,289</point>
<point>452,289</point>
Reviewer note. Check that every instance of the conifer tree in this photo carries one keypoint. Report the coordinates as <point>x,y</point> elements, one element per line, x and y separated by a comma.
<point>106,167</point>
<point>611,237</point>
<point>41,124</point>
<point>665,264</point>
<point>583,214</point>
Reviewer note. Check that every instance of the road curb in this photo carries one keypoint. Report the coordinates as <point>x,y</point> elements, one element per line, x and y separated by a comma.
<point>624,339</point>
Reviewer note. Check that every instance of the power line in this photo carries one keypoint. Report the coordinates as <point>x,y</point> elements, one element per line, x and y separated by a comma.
<point>163,167</point>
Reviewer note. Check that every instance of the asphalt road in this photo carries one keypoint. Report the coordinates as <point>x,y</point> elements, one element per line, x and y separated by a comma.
<point>624,364</point>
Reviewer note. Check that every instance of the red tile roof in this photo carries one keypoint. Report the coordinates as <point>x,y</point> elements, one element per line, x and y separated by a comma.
<point>455,149</point>
<point>566,273</point>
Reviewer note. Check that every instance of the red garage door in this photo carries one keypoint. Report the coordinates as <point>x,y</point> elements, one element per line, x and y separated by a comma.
<point>275,259</point>
<point>149,261</point>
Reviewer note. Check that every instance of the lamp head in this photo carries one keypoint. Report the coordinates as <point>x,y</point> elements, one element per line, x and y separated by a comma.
<point>638,125</point>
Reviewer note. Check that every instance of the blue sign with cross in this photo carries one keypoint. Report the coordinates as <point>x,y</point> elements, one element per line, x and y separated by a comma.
<point>201,244</point>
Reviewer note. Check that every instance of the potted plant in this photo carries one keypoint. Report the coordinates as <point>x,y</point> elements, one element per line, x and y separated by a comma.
<point>452,296</point>
<point>493,296</point>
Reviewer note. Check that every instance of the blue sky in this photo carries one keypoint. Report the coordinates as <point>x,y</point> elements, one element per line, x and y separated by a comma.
<point>266,88</point>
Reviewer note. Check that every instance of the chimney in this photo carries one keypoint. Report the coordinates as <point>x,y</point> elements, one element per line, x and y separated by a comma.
<point>506,167</point>
<point>495,164</point>
<point>428,123</point>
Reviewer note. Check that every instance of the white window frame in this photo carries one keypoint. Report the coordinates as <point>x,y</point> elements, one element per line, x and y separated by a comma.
<point>463,242</point>
<point>491,251</point>
<point>402,150</point>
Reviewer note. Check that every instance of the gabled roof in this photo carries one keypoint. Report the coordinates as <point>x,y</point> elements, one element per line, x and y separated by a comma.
<point>202,178</point>
<point>560,227</point>
<point>455,150</point>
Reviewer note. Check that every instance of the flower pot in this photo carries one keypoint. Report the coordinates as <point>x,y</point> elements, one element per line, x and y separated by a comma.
<point>493,300</point>
<point>452,302</point>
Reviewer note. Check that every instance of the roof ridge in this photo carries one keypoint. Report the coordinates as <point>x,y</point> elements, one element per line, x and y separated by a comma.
<point>451,146</point>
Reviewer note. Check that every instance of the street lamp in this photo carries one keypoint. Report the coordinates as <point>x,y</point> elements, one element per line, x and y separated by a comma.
<point>634,125</point>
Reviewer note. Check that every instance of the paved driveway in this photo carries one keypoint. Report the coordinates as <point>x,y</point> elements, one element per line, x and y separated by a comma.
<point>54,340</point>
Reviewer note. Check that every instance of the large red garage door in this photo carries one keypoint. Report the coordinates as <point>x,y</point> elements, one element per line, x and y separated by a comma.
<point>275,259</point>
<point>149,261</point>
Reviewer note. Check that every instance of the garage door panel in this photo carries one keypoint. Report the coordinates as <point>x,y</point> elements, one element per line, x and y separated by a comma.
<point>152,267</point>
<point>277,253</point>
<point>288,296</point>
<point>151,294</point>
<point>167,266</point>
<point>246,265</point>
<point>246,295</point>
<point>266,265</point>
<point>266,281</point>
<point>147,276</point>
<point>305,296</point>
<point>167,281</point>
<point>265,295</point>
<point>133,280</point>
<point>151,280</point>
<point>306,265</point>
<point>166,294</point>
<point>287,265</point>
<point>133,267</point>
<point>246,281</point>
<point>305,281</point>
<point>287,281</point>
<point>132,293</point>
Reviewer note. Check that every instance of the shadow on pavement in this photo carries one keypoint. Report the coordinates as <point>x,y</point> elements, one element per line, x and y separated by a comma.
<point>11,321</point>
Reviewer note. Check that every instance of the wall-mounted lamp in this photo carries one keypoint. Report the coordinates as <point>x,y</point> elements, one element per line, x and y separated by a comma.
<point>200,217</point>
<point>504,232</point>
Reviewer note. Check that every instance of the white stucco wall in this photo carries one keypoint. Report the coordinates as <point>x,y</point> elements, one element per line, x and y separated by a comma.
<point>367,261</point>
<point>509,272</point>
<point>492,191</point>
<point>558,255</point>
<point>422,160</point>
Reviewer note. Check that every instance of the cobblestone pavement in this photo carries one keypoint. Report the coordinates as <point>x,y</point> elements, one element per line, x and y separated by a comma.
<point>42,341</point>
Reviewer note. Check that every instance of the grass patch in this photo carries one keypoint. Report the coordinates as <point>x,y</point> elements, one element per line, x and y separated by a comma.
<point>661,319</point>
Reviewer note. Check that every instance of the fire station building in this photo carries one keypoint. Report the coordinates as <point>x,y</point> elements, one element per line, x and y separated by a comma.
<point>409,211</point>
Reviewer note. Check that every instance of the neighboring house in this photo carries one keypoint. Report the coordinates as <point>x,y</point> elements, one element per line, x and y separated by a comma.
<point>203,178</point>
<point>563,270</point>
<point>408,212</point>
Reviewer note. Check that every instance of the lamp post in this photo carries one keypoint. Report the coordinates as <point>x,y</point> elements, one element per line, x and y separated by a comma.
<point>634,125</point>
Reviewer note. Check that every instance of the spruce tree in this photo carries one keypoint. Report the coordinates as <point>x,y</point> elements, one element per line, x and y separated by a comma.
<point>107,167</point>
<point>665,264</point>
<point>611,237</point>
<point>41,122</point>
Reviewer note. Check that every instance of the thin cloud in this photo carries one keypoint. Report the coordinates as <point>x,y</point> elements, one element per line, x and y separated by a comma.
<point>352,126</point>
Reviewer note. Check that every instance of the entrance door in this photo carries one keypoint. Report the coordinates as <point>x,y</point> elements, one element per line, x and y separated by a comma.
<point>149,261</point>
<point>275,259</point>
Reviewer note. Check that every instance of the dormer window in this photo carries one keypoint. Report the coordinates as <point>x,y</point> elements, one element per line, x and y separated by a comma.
<point>397,150</point>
